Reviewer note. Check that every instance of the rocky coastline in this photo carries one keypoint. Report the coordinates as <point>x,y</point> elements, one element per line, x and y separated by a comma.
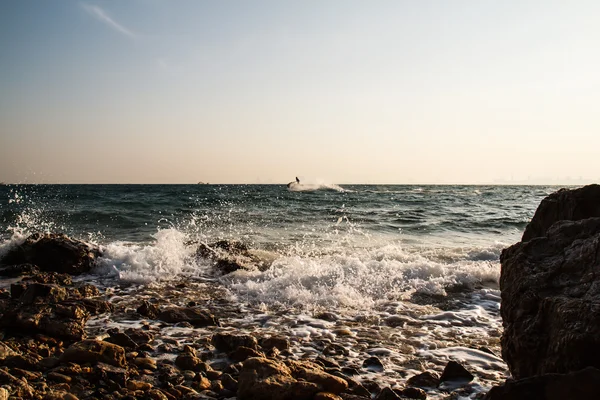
<point>62,337</point>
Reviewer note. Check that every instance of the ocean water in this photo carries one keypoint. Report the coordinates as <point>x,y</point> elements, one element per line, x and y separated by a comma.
<point>344,246</point>
<point>406,273</point>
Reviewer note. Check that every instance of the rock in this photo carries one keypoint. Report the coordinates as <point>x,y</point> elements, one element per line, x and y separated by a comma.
<point>24,361</point>
<point>108,372</point>
<point>50,277</point>
<point>198,318</point>
<point>97,306</point>
<point>53,252</point>
<point>47,293</point>
<point>227,342</point>
<point>88,290</point>
<point>4,394</point>
<point>373,364</point>
<point>187,362</point>
<point>583,384</point>
<point>229,256</point>
<point>413,393</point>
<point>264,379</point>
<point>571,205</point>
<point>551,300</point>
<point>243,353</point>
<point>138,385</point>
<point>121,339</point>
<point>272,342</point>
<point>6,351</point>
<point>145,363</point>
<point>229,382</point>
<point>50,319</point>
<point>14,271</point>
<point>326,396</point>
<point>94,351</point>
<point>148,310</point>
<point>314,373</point>
<point>387,394</point>
<point>156,394</point>
<point>424,380</point>
<point>454,372</point>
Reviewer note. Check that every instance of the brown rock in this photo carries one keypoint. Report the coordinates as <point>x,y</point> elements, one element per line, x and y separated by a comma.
<point>551,300</point>
<point>227,342</point>
<point>456,372</point>
<point>314,373</point>
<point>53,252</point>
<point>424,380</point>
<point>194,316</point>
<point>570,205</point>
<point>93,351</point>
<point>187,362</point>
<point>148,310</point>
<point>584,384</point>
<point>243,353</point>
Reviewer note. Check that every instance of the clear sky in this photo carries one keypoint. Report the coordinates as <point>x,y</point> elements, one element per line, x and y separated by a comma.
<point>342,91</point>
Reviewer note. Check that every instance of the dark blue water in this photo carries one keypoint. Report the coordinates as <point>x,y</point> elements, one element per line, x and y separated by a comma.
<point>268,213</point>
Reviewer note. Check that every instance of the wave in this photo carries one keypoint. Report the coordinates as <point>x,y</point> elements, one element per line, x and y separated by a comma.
<point>312,187</point>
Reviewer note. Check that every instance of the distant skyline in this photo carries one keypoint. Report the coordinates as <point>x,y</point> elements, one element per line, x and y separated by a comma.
<point>338,91</point>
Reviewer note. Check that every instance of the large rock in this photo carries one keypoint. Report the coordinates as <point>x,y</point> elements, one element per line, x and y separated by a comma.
<point>267,379</point>
<point>584,384</point>
<point>551,291</point>
<point>94,351</point>
<point>571,205</point>
<point>53,252</point>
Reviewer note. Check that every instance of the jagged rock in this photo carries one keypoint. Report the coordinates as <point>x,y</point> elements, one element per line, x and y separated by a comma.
<point>227,342</point>
<point>583,384</point>
<point>387,394</point>
<point>373,364</point>
<point>139,336</point>
<point>107,372</point>
<point>121,339</point>
<point>52,320</point>
<point>456,372</point>
<point>14,271</point>
<point>50,277</point>
<point>88,290</point>
<point>187,362</point>
<point>571,205</point>
<point>274,342</point>
<point>53,252</point>
<point>424,380</point>
<point>264,379</point>
<point>230,256</point>
<point>243,353</point>
<point>24,361</point>
<point>94,351</point>
<point>194,316</point>
<point>47,293</point>
<point>148,310</point>
<point>413,393</point>
<point>551,300</point>
<point>314,373</point>
<point>326,396</point>
<point>96,306</point>
<point>6,351</point>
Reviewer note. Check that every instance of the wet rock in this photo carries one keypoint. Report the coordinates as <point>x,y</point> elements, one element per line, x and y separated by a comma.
<point>413,393</point>
<point>196,317</point>
<point>47,293</point>
<point>139,385</point>
<point>569,205</point>
<point>280,343</point>
<point>148,310</point>
<point>426,379</point>
<point>121,339</point>
<point>24,361</point>
<point>4,394</point>
<point>229,382</point>
<point>88,290</point>
<point>52,320</point>
<point>14,271</point>
<point>93,351</point>
<point>314,373</point>
<point>326,396</point>
<point>264,379</point>
<point>6,351</point>
<point>145,363</point>
<point>373,364</point>
<point>455,372</point>
<point>187,362</point>
<point>58,377</point>
<point>583,384</point>
<point>156,394</point>
<point>387,394</point>
<point>50,277</point>
<point>140,337</point>
<point>243,353</point>
<point>169,374</point>
<point>229,256</point>
<point>53,252</point>
<point>108,372</point>
<point>227,342</point>
<point>551,300</point>
<point>97,306</point>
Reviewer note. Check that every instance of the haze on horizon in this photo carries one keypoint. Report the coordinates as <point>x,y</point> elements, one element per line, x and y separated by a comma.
<point>343,91</point>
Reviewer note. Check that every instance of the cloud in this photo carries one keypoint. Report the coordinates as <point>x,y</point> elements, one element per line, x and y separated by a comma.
<point>103,17</point>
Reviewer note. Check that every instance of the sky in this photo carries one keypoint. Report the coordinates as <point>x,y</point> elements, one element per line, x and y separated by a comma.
<point>335,91</point>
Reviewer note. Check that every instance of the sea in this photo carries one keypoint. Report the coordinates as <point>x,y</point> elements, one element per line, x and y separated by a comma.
<point>407,273</point>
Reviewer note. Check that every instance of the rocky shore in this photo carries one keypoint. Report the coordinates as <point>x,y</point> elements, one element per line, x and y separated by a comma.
<point>62,337</point>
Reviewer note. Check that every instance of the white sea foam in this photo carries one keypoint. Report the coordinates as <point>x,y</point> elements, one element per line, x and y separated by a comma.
<point>166,258</point>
